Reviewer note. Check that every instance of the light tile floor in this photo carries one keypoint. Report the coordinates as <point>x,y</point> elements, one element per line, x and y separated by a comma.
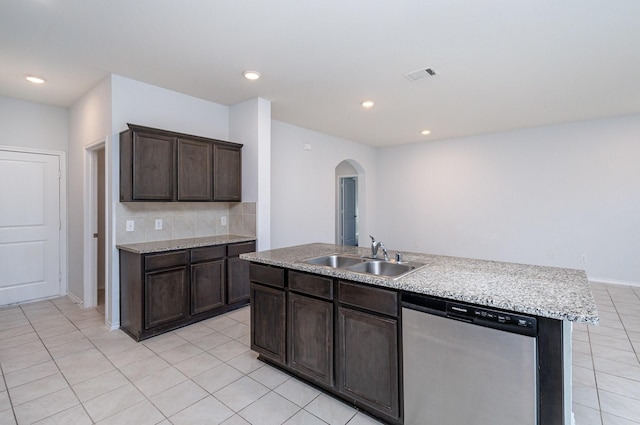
<point>61,365</point>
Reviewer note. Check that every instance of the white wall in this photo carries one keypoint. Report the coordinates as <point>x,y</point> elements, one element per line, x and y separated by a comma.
<point>544,195</point>
<point>33,125</point>
<point>303,184</point>
<point>89,122</point>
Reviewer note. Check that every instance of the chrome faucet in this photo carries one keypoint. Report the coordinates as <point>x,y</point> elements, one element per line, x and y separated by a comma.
<point>374,249</point>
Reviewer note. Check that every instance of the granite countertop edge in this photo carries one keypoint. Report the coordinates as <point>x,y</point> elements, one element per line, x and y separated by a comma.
<point>185,243</point>
<point>552,292</point>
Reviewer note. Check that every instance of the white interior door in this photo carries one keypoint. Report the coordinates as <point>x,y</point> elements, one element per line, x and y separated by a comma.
<point>29,226</point>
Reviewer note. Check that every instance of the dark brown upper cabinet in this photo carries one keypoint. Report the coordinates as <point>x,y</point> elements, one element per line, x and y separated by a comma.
<point>160,165</point>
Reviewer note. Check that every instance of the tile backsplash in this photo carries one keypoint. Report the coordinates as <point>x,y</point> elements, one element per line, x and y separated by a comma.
<point>183,220</point>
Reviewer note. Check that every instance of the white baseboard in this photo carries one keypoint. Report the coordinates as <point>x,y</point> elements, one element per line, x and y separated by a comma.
<point>613,281</point>
<point>75,299</point>
<point>113,326</point>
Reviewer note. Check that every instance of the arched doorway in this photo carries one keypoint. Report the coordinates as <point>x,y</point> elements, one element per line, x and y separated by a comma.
<point>348,208</point>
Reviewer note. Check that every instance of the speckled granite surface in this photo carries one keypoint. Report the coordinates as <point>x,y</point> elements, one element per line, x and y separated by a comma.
<point>551,292</point>
<point>169,245</point>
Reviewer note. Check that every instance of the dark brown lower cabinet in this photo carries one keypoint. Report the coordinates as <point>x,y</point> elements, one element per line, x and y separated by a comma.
<point>165,295</point>
<point>207,286</point>
<point>238,272</point>
<point>310,337</point>
<point>163,291</point>
<point>369,360</point>
<point>268,322</point>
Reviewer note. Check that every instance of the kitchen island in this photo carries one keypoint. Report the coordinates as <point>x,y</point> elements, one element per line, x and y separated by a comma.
<point>306,317</point>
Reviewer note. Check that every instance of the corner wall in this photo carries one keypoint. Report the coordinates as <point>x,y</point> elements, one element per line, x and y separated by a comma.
<point>303,188</point>
<point>547,195</point>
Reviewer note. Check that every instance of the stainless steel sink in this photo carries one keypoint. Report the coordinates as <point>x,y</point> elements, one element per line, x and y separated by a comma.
<point>370,266</point>
<point>382,268</point>
<point>335,261</point>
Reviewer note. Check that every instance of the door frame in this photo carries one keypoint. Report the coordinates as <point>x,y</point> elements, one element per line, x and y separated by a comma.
<point>341,208</point>
<point>62,157</point>
<point>90,258</point>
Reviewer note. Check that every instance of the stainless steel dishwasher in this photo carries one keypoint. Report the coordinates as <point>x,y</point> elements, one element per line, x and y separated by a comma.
<point>467,365</point>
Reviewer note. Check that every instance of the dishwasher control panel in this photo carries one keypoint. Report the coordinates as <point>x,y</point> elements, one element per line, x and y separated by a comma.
<point>492,318</point>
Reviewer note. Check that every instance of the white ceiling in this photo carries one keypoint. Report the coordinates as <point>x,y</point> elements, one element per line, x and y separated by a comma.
<point>501,64</point>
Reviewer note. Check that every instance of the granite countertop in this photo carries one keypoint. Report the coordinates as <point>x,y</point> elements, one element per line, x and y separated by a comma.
<point>552,292</point>
<point>173,244</point>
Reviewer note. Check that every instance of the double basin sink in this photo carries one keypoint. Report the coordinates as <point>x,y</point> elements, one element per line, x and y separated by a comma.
<point>371,266</point>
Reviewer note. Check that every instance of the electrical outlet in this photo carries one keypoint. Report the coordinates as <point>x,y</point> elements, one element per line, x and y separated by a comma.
<point>130,225</point>
<point>583,258</point>
<point>158,224</point>
<point>223,220</point>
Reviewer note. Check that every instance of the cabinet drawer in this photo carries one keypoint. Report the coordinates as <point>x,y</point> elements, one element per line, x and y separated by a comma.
<point>164,260</point>
<point>374,299</point>
<point>236,249</point>
<point>272,276</point>
<point>311,284</point>
<point>207,253</point>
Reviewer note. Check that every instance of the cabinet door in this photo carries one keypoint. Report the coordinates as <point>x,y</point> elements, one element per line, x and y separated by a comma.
<point>368,360</point>
<point>227,169</point>
<point>194,170</point>
<point>165,296</point>
<point>207,286</point>
<point>268,317</point>
<point>153,167</point>
<point>237,280</point>
<point>310,337</point>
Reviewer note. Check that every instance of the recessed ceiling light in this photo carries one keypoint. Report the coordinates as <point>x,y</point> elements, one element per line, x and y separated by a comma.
<point>367,104</point>
<point>251,75</point>
<point>425,132</point>
<point>33,79</point>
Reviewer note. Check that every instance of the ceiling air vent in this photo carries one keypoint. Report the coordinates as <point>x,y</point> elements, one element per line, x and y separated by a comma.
<point>420,74</point>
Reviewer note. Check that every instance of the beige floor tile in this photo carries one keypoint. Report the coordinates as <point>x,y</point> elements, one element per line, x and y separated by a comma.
<point>236,331</point>
<point>363,419</point>
<point>608,419</point>
<point>18,340</point>
<point>297,392</point>
<point>180,353</point>
<point>53,323</point>
<point>36,389</point>
<point>585,395</point>
<point>217,377</point>
<point>124,358</point>
<point>235,420</point>
<point>197,364</point>
<point>586,416</point>
<point>613,367</point>
<point>55,341</point>
<point>241,315</point>
<point>30,374</point>
<point>206,411</point>
<point>304,418</point>
<point>615,384</point>
<point>246,340</point>
<point>71,347</point>
<point>611,342</point>
<point>145,367</point>
<point>5,403</point>
<point>583,376</point>
<point>241,393</point>
<point>16,331</point>
<point>7,417</point>
<point>330,410</point>
<point>246,362</point>
<point>21,350</point>
<point>229,350</point>
<point>623,356</point>
<point>177,398</point>
<point>87,364</point>
<point>164,342</point>
<point>113,342</point>
<point>614,404</point>
<point>193,332</point>
<point>24,361</point>
<point>219,323</point>
<point>100,385</point>
<point>271,409</point>
<point>159,381</point>
<point>113,402</point>
<point>269,376</point>
<point>143,413</point>
<point>211,341</point>
<point>73,416</point>
<point>45,406</point>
